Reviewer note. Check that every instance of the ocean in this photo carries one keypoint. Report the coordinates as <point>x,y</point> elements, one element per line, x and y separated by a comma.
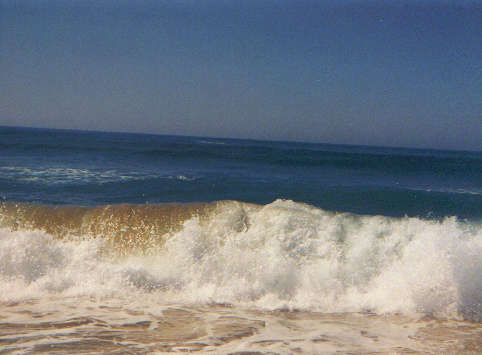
<point>137,243</point>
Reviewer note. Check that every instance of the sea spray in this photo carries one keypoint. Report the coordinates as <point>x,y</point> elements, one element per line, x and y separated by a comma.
<point>280,255</point>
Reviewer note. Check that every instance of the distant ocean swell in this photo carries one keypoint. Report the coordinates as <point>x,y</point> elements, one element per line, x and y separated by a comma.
<point>280,255</point>
<point>408,163</point>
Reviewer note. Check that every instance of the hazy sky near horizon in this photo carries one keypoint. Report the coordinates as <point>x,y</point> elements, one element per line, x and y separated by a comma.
<point>394,73</point>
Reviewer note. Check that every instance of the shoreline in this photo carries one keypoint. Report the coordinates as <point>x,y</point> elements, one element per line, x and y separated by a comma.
<point>84,325</point>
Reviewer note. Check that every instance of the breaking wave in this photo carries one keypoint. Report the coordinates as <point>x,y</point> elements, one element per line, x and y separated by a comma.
<point>280,255</point>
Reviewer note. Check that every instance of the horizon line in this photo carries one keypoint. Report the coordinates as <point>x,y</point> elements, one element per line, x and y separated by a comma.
<point>242,139</point>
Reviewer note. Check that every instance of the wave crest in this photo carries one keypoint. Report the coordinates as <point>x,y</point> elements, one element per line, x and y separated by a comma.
<point>281,255</point>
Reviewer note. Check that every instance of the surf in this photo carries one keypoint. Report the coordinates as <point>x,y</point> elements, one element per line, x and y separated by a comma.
<point>282,255</point>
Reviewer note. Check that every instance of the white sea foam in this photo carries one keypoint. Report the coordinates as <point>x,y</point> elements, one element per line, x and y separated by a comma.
<point>55,176</point>
<point>182,177</point>
<point>211,142</point>
<point>282,255</point>
<point>463,191</point>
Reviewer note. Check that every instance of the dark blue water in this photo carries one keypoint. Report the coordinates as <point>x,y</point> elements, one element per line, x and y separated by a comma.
<point>47,166</point>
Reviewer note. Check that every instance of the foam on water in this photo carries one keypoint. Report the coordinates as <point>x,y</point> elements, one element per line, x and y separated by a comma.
<point>62,176</point>
<point>281,255</point>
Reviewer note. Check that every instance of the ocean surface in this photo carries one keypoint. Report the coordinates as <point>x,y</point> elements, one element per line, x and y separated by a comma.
<point>145,243</point>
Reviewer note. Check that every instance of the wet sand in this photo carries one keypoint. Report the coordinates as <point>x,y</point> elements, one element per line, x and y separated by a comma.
<point>89,326</point>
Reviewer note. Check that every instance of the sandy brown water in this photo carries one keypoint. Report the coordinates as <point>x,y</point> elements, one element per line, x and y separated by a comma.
<point>89,326</point>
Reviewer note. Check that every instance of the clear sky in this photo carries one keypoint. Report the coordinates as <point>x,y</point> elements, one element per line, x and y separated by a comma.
<point>396,73</point>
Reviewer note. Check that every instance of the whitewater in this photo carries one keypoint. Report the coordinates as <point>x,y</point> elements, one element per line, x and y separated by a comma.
<point>281,256</point>
<point>120,243</point>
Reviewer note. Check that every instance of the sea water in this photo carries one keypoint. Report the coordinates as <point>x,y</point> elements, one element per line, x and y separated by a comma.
<point>144,243</point>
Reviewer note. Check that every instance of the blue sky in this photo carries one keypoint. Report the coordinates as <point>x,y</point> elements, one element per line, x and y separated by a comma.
<point>395,73</point>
